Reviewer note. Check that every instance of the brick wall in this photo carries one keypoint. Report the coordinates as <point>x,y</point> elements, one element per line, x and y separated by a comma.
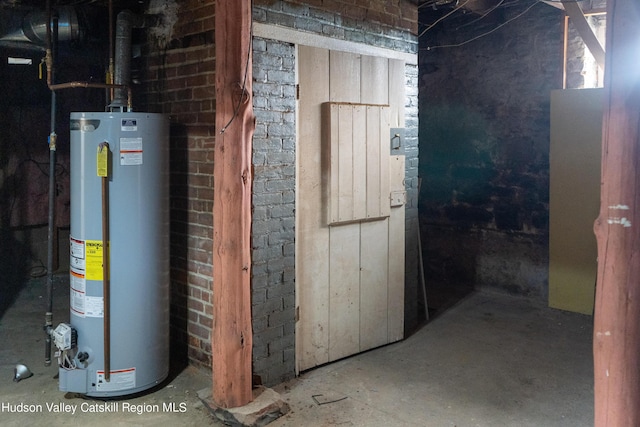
<point>388,16</point>
<point>180,82</point>
<point>273,231</point>
<point>413,293</point>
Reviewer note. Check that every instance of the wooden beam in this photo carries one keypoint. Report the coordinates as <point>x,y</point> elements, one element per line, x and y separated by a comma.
<point>580,22</point>
<point>235,124</point>
<point>616,343</point>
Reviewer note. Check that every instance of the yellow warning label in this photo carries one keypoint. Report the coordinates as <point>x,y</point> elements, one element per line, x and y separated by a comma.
<point>103,161</point>
<point>93,253</point>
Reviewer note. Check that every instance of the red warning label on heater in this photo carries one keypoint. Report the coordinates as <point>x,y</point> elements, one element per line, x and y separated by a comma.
<point>77,262</point>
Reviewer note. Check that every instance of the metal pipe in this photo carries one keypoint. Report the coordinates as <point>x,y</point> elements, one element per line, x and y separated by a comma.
<point>122,72</point>
<point>122,88</point>
<point>48,30</point>
<point>111,60</point>
<point>52,36</point>
<point>125,22</point>
<point>33,31</point>
<point>70,85</point>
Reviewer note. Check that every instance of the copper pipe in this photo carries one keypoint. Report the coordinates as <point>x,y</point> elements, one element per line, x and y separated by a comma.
<point>70,85</point>
<point>106,283</point>
<point>49,62</point>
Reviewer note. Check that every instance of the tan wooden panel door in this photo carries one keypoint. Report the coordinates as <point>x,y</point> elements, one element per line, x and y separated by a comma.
<point>349,274</point>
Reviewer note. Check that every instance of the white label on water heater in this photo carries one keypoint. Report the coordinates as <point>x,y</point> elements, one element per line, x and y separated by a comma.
<point>77,303</point>
<point>122,379</point>
<point>78,286</point>
<point>130,151</point>
<point>93,306</point>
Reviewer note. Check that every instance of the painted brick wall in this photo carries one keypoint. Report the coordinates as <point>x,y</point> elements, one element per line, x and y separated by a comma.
<point>274,175</point>
<point>413,292</point>
<point>273,231</point>
<point>180,82</point>
<point>392,16</point>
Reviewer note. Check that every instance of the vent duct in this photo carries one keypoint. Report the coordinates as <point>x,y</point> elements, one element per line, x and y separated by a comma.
<point>125,23</point>
<point>30,30</point>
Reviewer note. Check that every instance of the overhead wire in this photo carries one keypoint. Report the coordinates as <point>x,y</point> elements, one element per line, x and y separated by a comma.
<point>483,15</point>
<point>485,33</point>
<point>454,10</point>
<point>502,3</point>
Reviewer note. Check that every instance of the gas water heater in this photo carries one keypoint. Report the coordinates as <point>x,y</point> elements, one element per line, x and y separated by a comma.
<point>117,340</point>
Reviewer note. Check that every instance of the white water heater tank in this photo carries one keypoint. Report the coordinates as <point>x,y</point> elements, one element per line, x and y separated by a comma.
<point>138,245</point>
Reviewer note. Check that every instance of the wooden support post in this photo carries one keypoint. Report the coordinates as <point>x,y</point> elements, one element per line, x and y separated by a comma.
<point>235,123</point>
<point>616,344</point>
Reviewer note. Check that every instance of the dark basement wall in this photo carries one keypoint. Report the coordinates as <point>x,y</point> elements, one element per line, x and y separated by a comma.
<point>484,142</point>
<point>180,81</point>
<point>25,120</point>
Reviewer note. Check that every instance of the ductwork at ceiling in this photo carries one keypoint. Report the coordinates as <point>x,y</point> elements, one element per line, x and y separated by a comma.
<point>28,29</point>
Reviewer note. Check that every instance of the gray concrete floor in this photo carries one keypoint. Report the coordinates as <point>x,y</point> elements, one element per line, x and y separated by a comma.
<point>490,360</point>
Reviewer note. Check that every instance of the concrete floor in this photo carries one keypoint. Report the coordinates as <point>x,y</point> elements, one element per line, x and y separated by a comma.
<point>490,360</point>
